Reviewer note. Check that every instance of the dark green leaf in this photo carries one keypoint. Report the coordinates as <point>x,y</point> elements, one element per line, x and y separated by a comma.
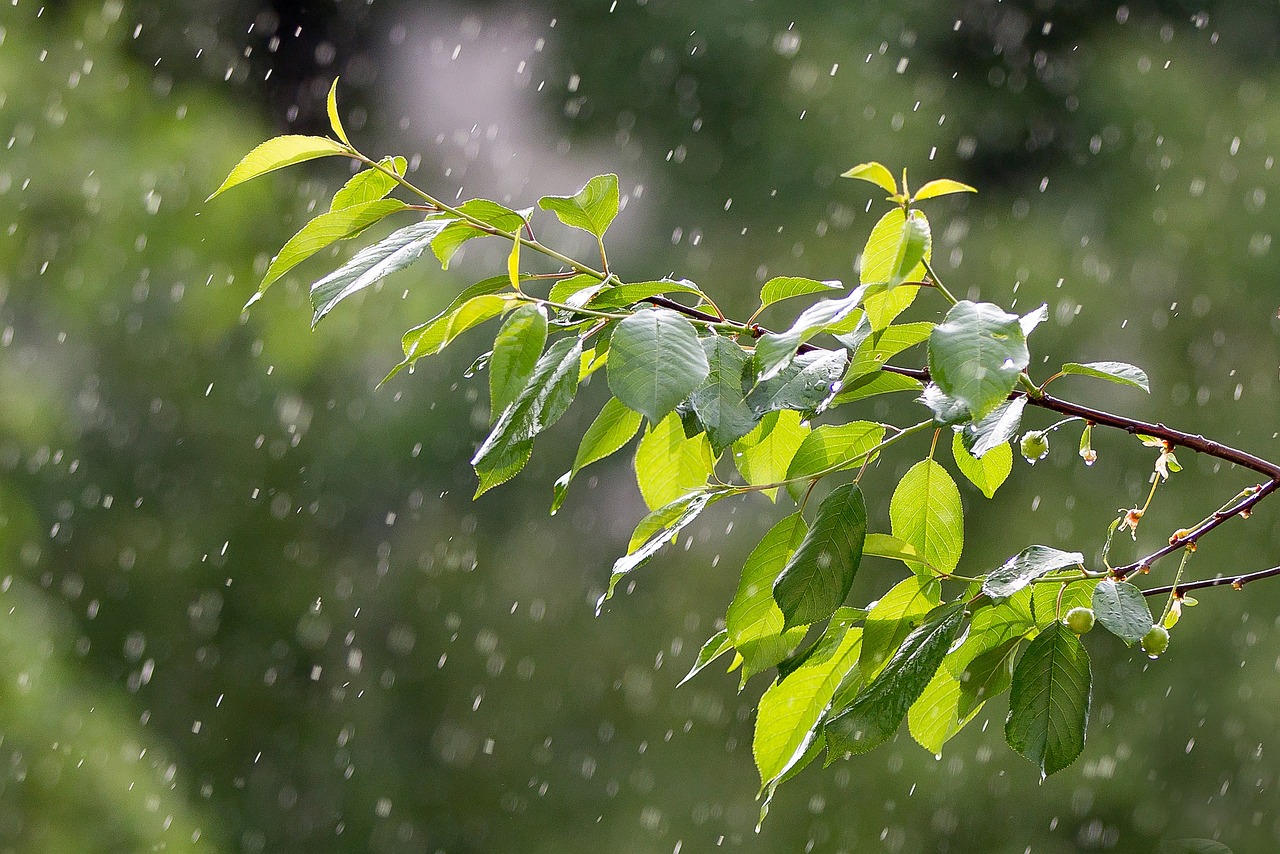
<point>1026,566</point>
<point>805,384</point>
<point>988,472</point>
<point>278,153</point>
<point>516,350</point>
<point>591,209</point>
<point>786,287</point>
<point>373,264</point>
<point>1049,700</point>
<point>832,448</point>
<point>894,617</point>
<point>499,467</point>
<point>1122,610</point>
<point>996,429</point>
<point>817,578</point>
<point>1117,372</point>
<point>369,185</point>
<point>926,512</point>
<point>754,620</point>
<point>716,646</point>
<point>976,354</point>
<point>655,361</point>
<point>720,403</point>
<point>324,230</point>
<point>878,710</point>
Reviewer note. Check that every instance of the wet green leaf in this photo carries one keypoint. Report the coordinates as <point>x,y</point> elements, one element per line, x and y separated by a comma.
<point>976,354</point>
<point>1049,700</point>
<point>987,472</point>
<point>1122,610</point>
<point>754,620</point>
<point>1117,372</point>
<point>1026,566</point>
<point>516,350</point>
<point>655,362</point>
<point>817,578</point>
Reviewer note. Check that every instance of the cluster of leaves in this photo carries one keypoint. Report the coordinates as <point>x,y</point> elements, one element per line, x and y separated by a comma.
<point>726,408</point>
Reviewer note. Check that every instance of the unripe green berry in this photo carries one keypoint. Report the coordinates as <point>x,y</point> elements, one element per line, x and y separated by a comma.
<point>1035,446</point>
<point>1079,620</point>
<point>1155,641</point>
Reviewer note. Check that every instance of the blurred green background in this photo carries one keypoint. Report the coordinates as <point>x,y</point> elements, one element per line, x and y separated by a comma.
<point>246,603</point>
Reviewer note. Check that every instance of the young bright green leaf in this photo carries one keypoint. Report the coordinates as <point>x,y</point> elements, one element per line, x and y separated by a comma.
<point>874,384</point>
<point>656,530</point>
<point>498,217</point>
<point>433,336</point>
<point>1051,600</point>
<point>950,702</point>
<point>786,287</point>
<point>817,578</point>
<point>612,429</point>
<point>550,389</point>
<point>986,472</point>
<point>754,620</point>
<point>575,290</point>
<point>941,187</point>
<point>369,185</point>
<point>790,711</point>
<point>325,229</point>
<point>373,264</point>
<point>1026,566</point>
<point>1122,610</point>
<point>278,153</point>
<point>716,646</point>
<point>655,362</point>
<point>806,384</point>
<point>334,120</point>
<point>925,511</point>
<point>882,306</point>
<point>720,402</point>
<point>996,428</point>
<point>591,209</point>
<point>877,348</point>
<point>763,455</point>
<point>1049,701</point>
<point>975,355</point>
<point>895,252</point>
<point>831,448</point>
<point>886,546</point>
<point>516,350</point>
<point>874,173</point>
<point>1117,372</point>
<point>616,296</point>
<point>894,617</point>
<point>915,246</point>
<point>668,464</point>
<point>876,713</point>
<point>775,350</point>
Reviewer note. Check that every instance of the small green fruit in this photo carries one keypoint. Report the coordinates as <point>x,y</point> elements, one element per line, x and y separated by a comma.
<point>1079,620</point>
<point>1035,446</point>
<point>1155,641</point>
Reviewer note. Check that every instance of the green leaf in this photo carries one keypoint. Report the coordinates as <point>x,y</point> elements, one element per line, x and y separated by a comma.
<point>946,410</point>
<point>877,711</point>
<point>894,617</point>
<point>915,244</point>
<point>499,217</point>
<point>668,464</point>
<point>790,711</point>
<point>883,545</point>
<point>373,264</point>
<point>893,241</point>
<point>278,153</point>
<point>325,229</point>
<point>925,511</point>
<point>941,187</point>
<point>987,674</point>
<point>879,347</point>
<point>369,185</point>
<point>516,350</point>
<point>591,209</point>
<point>1053,599</point>
<point>720,403</point>
<point>334,120</point>
<point>882,306</point>
<point>433,336</point>
<point>817,578</point>
<point>550,390</point>
<point>616,296</point>
<point>655,362</point>
<point>995,429</point>
<point>806,384</point>
<point>1026,566</point>
<point>498,468</point>
<point>775,350</point>
<point>994,624</point>
<point>612,429</point>
<point>763,455</point>
<point>785,287</point>
<point>1032,319</point>
<point>874,384</point>
<point>716,646</point>
<point>976,354</point>
<point>874,173</point>
<point>1117,372</point>
<point>987,472</point>
<point>575,290</point>
<point>1049,700</point>
<point>655,531</point>
<point>831,448</point>
<point>949,702</point>
<point>754,620</point>
<point>1122,610</point>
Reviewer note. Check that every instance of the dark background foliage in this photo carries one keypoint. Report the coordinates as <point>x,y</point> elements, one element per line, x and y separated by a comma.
<point>247,604</point>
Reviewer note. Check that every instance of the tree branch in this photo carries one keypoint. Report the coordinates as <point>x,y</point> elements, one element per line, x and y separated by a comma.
<point>1237,582</point>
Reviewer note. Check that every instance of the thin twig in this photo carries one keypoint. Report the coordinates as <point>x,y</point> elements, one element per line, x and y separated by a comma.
<point>1236,581</point>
